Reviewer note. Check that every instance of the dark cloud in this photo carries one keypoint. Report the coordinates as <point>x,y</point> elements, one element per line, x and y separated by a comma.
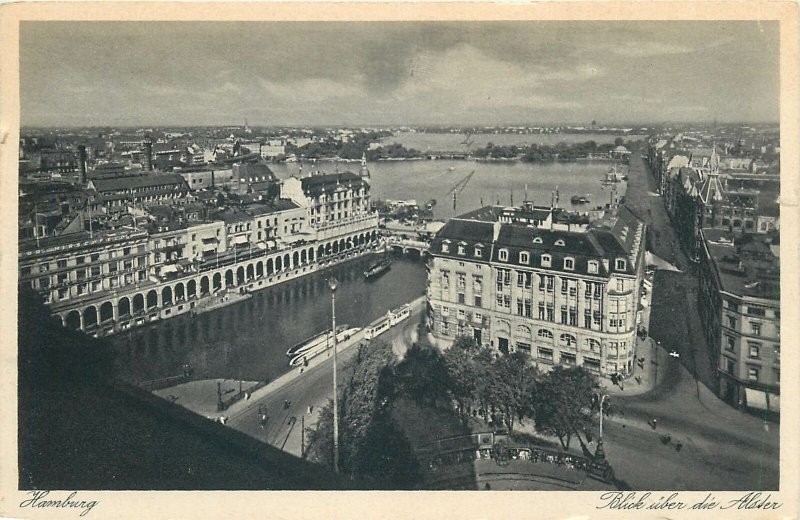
<point>396,72</point>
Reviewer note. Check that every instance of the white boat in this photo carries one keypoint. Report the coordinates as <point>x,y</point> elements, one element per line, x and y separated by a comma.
<point>320,344</point>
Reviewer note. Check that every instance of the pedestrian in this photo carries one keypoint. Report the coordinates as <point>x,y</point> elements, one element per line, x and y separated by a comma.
<point>678,446</point>
<point>655,423</point>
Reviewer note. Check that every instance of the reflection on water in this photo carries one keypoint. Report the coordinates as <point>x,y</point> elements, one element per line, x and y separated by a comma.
<point>249,339</point>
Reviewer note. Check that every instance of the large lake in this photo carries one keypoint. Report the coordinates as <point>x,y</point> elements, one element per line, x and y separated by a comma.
<point>492,182</point>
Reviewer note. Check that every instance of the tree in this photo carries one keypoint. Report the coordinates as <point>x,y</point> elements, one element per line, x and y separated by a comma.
<point>565,403</point>
<point>422,375</point>
<point>371,448</point>
<point>513,386</point>
<point>469,373</point>
<point>619,141</point>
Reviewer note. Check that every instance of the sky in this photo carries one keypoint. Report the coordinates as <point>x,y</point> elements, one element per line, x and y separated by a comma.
<point>396,73</point>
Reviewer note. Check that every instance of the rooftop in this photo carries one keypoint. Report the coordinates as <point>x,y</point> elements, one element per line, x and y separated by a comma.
<point>746,265</point>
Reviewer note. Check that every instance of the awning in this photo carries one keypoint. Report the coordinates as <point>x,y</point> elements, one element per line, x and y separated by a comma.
<point>211,240</point>
<point>241,239</point>
<point>762,400</point>
<point>261,245</point>
<point>171,268</point>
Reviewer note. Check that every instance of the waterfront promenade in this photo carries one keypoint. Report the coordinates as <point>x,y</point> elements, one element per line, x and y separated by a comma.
<point>309,389</point>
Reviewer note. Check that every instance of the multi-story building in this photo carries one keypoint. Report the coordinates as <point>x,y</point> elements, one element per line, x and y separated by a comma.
<point>115,194</point>
<point>164,263</point>
<point>563,297</point>
<point>334,202</point>
<point>740,308</point>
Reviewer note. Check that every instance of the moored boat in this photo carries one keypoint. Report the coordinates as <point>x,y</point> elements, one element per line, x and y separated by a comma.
<point>313,341</point>
<point>316,348</point>
<point>580,199</point>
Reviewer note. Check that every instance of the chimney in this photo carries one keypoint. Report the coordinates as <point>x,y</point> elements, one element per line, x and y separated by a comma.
<point>148,155</point>
<point>82,162</point>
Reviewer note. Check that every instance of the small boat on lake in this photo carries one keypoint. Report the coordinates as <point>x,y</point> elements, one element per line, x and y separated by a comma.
<point>378,268</point>
<point>580,199</point>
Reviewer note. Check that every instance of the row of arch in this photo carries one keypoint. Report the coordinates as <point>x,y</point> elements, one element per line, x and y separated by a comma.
<point>546,336</point>
<point>153,299</point>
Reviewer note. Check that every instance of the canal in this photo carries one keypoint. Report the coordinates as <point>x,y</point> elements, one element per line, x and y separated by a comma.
<point>249,339</point>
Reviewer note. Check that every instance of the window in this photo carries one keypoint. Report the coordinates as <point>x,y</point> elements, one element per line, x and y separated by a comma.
<point>445,328</point>
<point>478,252</point>
<point>587,319</point>
<point>568,340</point>
<point>541,310</point>
<point>61,264</point>
<point>731,344</point>
<point>507,301</point>
<point>445,247</point>
<point>550,312</point>
<point>503,255</point>
<point>592,267</point>
<point>732,322</point>
<point>545,354</point>
<point>445,275</point>
<point>546,259</point>
<point>524,347</point>
<point>752,373</point>
<point>524,258</point>
<point>756,328</point>
<point>755,349</point>
<point>461,314</point>
<point>620,264</point>
<point>545,334</point>
<point>80,260</point>
<point>462,249</point>
<point>478,317</point>
<point>573,316</point>
<point>537,240</point>
<point>569,264</point>
<point>563,314</point>
<point>461,280</point>
<point>445,311</point>
<point>477,283</point>
<point>620,285</point>
<point>559,243</point>
<point>753,310</point>
<point>478,301</point>
<point>520,279</point>
<point>564,286</point>
<point>461,298</point>
<point>520,308</point>
<point>588,289</point>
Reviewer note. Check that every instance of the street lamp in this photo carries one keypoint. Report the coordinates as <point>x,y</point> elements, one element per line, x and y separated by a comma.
<point>599,465</point>
<point>333,283</point>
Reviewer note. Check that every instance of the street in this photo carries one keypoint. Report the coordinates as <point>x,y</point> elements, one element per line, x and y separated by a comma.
<point>721,448</point>
<point>313,389</point>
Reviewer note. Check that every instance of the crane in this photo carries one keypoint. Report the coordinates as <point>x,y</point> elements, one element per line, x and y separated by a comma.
<point>459,187</point>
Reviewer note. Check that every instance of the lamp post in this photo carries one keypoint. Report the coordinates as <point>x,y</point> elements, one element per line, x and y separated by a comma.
<point>599,466</point>
<point>333,283</point>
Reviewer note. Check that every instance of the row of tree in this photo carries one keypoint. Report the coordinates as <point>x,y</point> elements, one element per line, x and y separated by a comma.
<point>506,388</point>
<point>562,402</point>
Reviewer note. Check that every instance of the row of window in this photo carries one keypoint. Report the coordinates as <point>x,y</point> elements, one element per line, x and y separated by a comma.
<point>546,260</point>
<point>754,349</point>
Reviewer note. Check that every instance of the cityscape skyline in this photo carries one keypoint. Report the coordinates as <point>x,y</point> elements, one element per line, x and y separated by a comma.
<point>398,73</point>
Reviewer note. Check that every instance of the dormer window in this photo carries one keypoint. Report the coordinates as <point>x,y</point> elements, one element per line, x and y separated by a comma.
<point>593,266</point>
<point>445,246</point>
<point>620,264</point>
<point>462,249</point>
<point>478,251</point>
<point>559,242</point>
<point>569,264</point>
<point>503,255</point>
<point>524,258</point>
<point>537,240</point>
<point>546,259</point>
